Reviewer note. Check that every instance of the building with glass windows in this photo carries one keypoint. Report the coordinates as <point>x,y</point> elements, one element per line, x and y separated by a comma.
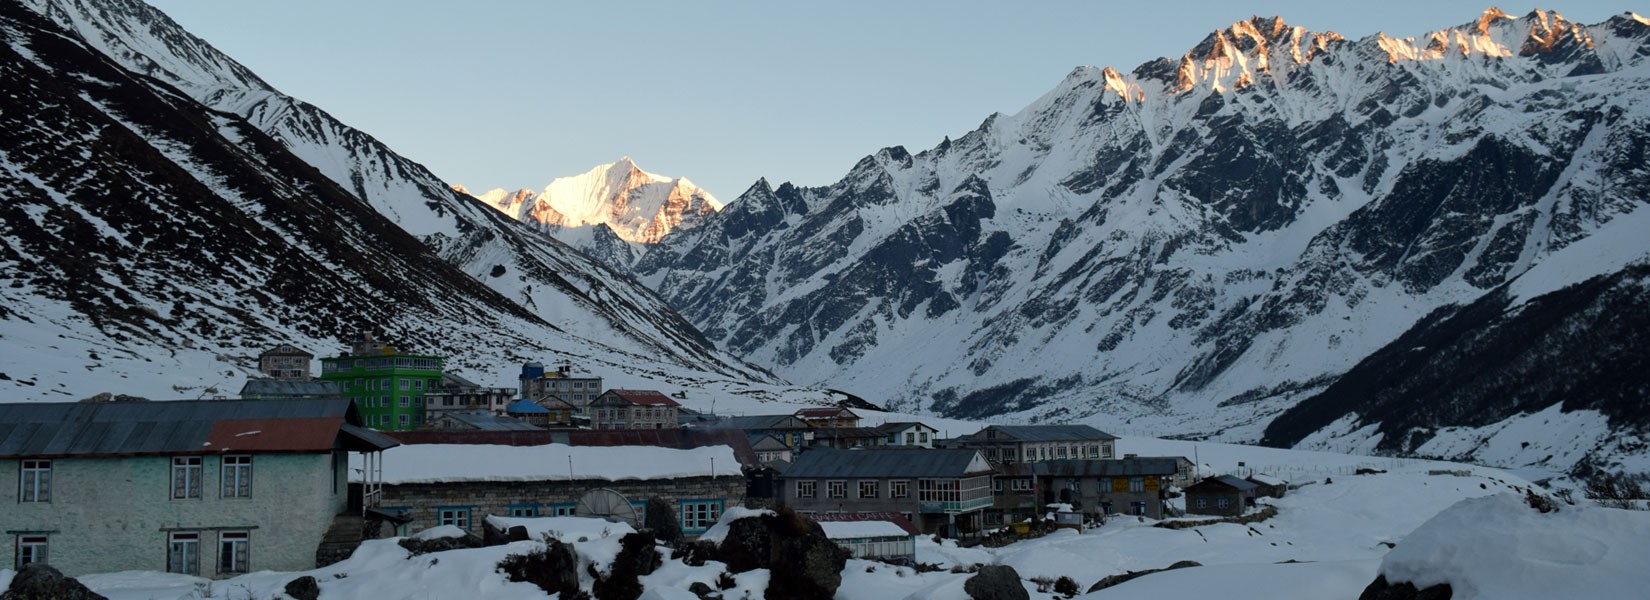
<point>214,488</point>
<point>387,385</point>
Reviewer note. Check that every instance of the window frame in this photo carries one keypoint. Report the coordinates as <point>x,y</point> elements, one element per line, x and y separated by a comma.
<point>899,488</point>
<point>242,474</point>
<point>699,514</point>
<point>192,470</point>
<point>836,488</point>
<point>191,560</point>
<point>806,488</point>
<point>39,474</point>
<point>36,546</point>
<point>873,485</point>
<point>459,517</point>
<point>238,543</point>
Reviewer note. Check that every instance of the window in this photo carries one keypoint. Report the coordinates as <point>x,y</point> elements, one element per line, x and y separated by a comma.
<point>524,510</point>
<point>1137,509</point>
<point>836,489</point>
<point>1201,502</point>
<point>233,551</point>
<point>1021,485</point>
<point>1223,502</point>
<point>183,553</point>
<point>31,549</point>
<point>418,384</point>
<point>456,516</point>
<point>405,420</point>
<point>868,489</point>
<point>804,489</point>
<point>1094,452</point>
<point>1062,451</point>
<point>699,515</point>
<point>899,489</point>
<point>996,485</point>
<point>35,485</point>
<point>910,438</point>
<point>922,436</point>
<point>186,481</point>
<point>237,476</point>
<point>562,509</point>
<point>1137,484</point>
<point>406,401</point>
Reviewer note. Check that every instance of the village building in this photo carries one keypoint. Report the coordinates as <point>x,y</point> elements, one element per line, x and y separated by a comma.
<point>888,537</point>
<point>1032,443</point>
<point>848,438</point>
<point>941,491</point>
<point>538,383</point>
<point>387,385</point>
<point>909,434</point>
<point>480,421</point>
<point>214,488</point>
<point>1223,495</point>
<point>632,409</point>
<point>1094,488</point>
<point>285,362</point>
<point>461,484</point>
<point>259,388</point>
<point>828,416</point>
<point>769,449</point>
<point>549,411</point>
<point>458,394</point>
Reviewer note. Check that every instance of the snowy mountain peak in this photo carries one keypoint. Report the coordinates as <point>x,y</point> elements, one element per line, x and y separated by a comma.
<point>640,207</point>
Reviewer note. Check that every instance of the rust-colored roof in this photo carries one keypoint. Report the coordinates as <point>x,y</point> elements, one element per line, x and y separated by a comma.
<point>273,435</point>
<point>644,397</point>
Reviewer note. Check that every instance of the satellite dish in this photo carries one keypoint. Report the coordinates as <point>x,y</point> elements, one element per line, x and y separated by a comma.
<point>607,504</point>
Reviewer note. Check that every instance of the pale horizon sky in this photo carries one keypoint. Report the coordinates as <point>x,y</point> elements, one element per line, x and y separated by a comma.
<point>514,94</point>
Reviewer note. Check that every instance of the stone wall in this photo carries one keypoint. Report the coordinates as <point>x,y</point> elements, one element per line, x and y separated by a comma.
<point>115,514</point>
<point>422,501</point>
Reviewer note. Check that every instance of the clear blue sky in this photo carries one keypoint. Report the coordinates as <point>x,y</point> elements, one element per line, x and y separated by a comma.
<point>514,93</point>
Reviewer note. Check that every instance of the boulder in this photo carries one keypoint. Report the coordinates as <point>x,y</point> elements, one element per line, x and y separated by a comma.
<point>303,588</point>
<point>1112,580</point>
<point>40,581</point>
<point>638,556</point>
<point>1381,589</point>
<point>440,544</point>
<point>553,567</point>
<point>803,564</point>
<point>996,582</point>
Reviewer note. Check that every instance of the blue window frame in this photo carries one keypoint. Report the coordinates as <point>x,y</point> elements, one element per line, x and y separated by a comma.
<point>697,515</point>
<point>562,509</point>
<point>453,515</point>
<point>523,510</point>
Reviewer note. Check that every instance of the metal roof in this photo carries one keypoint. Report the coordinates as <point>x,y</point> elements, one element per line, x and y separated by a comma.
<point>264,387</point>
<point>893,426</point>
<point>848,433</point>
<point>891,517</point>
<point>1068,467</point>
<point>1038,433</point>
<point>828,412</point>
<point>667,438</point>
<point>451,379</point>
<point>177,427</point>
<point>1223,480</point>
<point>823,463</point>
<point>643,397</point>
<point>524,407</point>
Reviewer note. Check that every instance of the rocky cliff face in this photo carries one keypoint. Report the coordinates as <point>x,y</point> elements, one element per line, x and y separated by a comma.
<point>1196,245</point>
<point>185,209</point>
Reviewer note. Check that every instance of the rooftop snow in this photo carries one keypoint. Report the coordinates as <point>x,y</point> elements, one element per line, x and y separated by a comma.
<point>435,463</point>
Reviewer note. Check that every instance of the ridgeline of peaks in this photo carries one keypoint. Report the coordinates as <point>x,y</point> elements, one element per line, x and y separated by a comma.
<point>1205,245</point>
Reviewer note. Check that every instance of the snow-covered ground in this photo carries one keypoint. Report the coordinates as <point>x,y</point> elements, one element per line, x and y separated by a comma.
<point>1328,540</point>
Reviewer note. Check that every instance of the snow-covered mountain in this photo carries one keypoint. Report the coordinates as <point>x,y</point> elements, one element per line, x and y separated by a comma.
<point>1197,245</point>
<point>186,138</point>
<point>612,212</point>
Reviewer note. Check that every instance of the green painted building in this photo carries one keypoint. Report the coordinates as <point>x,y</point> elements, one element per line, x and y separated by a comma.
<point>387,386</point>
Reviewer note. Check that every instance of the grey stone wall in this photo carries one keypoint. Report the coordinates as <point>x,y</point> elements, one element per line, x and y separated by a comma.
<point>422,501</point>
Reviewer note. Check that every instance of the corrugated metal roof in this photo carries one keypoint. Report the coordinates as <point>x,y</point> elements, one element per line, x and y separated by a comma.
<point>1219,480</point>
<point>893,426</point>
<point>828,412</point>
<point>848,433</point>
<point>822,463</point>
<point>644,397</point>
<point>1039,433</point>
<point>667,438</point>
<point>263,387</point>
<point>891,517</point>
<point>525,407</point>
<point>132,428</point>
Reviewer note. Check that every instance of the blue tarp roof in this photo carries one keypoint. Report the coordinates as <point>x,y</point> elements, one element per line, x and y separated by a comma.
<point>525,407</point>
